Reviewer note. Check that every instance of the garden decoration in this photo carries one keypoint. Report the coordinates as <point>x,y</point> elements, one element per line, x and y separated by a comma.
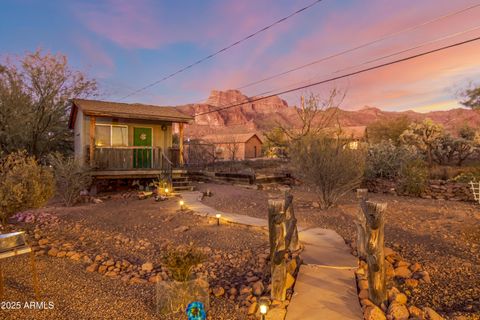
<point>196,311</point>
<point>14,244</point>
<point>475,186</point>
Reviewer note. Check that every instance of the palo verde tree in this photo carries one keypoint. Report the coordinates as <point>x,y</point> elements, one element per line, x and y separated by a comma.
<point>34,102</point>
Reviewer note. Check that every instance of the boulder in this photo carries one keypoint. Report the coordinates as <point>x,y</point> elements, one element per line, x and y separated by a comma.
<point>431,314</point>
<point>416,313</point>
<point>403,272</point>
<point>53,252</point>
<point>258,288</point>
<point>147,266</point>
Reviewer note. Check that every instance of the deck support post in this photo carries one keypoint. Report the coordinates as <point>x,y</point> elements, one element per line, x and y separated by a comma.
<point>180,143</point>
<point>93,121</point>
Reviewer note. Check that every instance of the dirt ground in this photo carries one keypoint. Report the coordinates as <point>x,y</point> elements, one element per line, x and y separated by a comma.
<point>136,230</point>
<point>444,236</point>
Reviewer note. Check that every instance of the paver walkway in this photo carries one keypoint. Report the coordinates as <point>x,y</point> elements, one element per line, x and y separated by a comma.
<point>325,286</point>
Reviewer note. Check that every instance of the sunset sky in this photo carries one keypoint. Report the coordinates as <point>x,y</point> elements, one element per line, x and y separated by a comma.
<point>127,44</point>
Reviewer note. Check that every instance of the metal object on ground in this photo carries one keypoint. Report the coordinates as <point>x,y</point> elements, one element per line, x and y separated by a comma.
<point>15,244</point>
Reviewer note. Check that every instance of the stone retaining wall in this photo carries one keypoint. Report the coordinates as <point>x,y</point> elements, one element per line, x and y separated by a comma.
<point>436,189</point>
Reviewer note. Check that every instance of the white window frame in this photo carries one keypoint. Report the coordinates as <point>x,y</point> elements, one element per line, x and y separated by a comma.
<point>111,133</point>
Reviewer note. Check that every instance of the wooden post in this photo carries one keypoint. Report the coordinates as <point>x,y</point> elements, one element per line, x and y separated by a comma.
<point>360,222</point>
<point>93,121</point>
<point>375,222</point>
<point>278,250</point>
<point>291,237</point>
<point>180,142</point>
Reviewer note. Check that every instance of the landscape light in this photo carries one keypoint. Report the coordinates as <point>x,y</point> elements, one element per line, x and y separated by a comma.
<point>166,190</point>
<point>182,204</point>
<point>218,216</point>
<point>263,310</point>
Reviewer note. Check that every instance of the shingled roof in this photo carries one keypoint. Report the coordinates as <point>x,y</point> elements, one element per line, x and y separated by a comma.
<point>230,137</point>
<point>126,111</point>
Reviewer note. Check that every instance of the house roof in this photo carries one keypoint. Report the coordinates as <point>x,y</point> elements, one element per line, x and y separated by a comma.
<point>230,137</point>
<point>126,110</point>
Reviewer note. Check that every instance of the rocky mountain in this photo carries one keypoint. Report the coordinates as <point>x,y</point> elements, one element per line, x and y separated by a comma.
<point>259,116</point>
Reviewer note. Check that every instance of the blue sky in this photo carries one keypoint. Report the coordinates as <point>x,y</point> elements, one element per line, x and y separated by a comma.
<point>126,45</point>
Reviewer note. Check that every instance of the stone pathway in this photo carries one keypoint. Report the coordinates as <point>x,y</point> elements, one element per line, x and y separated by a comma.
<point>325,286</point>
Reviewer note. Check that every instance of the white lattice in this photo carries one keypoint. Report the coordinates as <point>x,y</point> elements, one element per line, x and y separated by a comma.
<point>475,186</point>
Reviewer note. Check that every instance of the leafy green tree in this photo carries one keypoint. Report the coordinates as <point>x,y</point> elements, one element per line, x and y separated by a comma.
<point>34,103</point>
<point>387,129</point>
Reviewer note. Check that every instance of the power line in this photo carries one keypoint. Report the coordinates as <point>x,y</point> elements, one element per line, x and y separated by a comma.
<point>366,44</point>
<point>347,75</point>
<point>223,49</point>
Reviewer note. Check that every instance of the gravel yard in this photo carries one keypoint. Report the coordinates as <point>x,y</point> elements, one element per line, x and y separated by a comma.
<point>444,236</point>
<point>138,231</point>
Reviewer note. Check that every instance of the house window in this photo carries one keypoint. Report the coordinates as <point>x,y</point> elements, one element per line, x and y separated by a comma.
<point>107,135</point>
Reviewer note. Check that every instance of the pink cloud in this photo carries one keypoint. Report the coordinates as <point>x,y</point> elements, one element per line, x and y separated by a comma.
<point>96,54</point>
<point>130,24</point>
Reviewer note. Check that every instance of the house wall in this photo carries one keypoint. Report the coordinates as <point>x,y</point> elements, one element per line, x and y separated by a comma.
<point>79,138</point>
<point>227,148</point>
<point>250,145</point>
<point>160,138</point>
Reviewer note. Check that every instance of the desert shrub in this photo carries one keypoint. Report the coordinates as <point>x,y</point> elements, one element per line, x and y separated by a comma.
<point>387,130</point>
<point>181,262</point>
<point>71,178</point>
<point>24,184</point>
<point>329,165</point>
<point>472,174</point>
<point>385,159</point>
<point>445,172</point>
<point>424,136</point>
<point>413,178</point>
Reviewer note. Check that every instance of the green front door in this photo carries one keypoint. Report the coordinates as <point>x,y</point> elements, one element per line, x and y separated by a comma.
<point>142,137</point>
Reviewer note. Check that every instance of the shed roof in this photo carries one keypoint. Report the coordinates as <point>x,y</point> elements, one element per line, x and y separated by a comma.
<point>230,137</point>
<point>126,110</point>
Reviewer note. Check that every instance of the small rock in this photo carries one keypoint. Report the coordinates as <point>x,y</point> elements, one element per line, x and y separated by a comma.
<point>399,298</point>
<point>252,309</point>
<point>374,313</point>
<point>432,315</point>
<point>415,267</point>
<point>181,229</point>
<point>257,288</point>
<point>109,263</point>
<point>136,280</point>
<point>411,283</point>
<point>363,294</point>
<point>102,269</point>
<point>147,266</point>
<point>398,311</point>
<point>53,252</point>
<point>76,256</point>
<point>155,278</point>
<point>42,242</point>
<point>363,284</point>
<point>92,268</point>
<point>61,254</point>
<point>403,272</point>
<point>416,313</point>
<point>218,291</point>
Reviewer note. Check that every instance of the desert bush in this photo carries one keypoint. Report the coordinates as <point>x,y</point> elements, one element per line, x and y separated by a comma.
<point>413,178</point>
<point>424,136</point>
<point>24,184</point>
<point>471,174</point>
<point>387,130</point>
<point>329,165</point>
<point>385,159</point>
<point>71,178</point>
<point>180,262</point>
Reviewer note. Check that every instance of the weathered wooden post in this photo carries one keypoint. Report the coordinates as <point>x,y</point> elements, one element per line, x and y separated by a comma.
<point>375,222</point>
<point>360,222</point>
<point>291,237</point>
<point>278,249</point>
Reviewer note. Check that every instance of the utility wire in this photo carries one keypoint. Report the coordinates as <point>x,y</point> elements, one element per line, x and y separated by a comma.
<point>366,44</point>
<point>346,75</point>
<point>222,50</point>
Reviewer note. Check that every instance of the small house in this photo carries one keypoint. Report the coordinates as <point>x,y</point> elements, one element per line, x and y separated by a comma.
<point>121,140</point>
<point>235,146</point>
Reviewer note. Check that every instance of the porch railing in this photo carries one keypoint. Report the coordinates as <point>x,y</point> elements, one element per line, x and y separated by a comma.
<point>129,158</point>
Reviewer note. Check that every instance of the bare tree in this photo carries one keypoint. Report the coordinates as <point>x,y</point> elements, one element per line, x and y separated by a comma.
<point>233,148</point>
<point>315,114</point>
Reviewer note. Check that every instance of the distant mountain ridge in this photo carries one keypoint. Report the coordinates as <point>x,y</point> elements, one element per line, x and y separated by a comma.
<point>262,115</point>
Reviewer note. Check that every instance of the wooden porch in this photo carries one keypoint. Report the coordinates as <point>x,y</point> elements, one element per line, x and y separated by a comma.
<point>130,162</point>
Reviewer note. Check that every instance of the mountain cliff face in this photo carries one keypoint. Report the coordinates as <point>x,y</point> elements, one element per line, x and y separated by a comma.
<point>265,114</point>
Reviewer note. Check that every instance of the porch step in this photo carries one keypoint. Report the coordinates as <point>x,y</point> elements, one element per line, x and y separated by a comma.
<point>181,182</point>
